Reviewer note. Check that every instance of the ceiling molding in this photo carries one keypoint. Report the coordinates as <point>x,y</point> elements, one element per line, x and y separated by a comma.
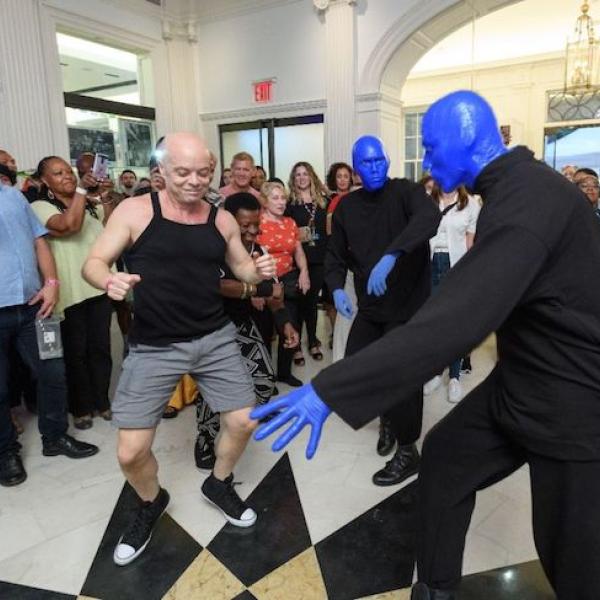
<point>215,10</point>
<point>293,108</point>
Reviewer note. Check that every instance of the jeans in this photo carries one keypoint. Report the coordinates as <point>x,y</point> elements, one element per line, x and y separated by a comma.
<point>440,265</point>
<point>17,328</point>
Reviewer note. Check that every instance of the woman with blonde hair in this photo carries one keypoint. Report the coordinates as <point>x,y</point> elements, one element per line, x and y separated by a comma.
<point>308,207</point>
<point>280,236</point>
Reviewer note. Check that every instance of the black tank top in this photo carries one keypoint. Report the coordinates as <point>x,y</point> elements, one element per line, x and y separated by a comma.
<point>178,298</point>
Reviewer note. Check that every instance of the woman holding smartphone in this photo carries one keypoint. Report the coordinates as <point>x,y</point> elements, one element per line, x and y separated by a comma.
<point>74,219</point>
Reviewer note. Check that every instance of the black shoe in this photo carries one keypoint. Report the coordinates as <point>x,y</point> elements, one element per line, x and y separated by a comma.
<point>386,441</point>
<point>12,471</point>
<point>137,536</point>
<point>404,463</point>
<point>70,447</point>
<point>225,498</point>
<point>422,592</point>
<point>291,381</point>
<point>204,454</point>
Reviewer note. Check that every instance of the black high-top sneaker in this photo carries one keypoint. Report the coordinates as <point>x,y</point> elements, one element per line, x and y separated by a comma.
<point>137,536</point>
<point>404,463</point>
<point>222,495</point>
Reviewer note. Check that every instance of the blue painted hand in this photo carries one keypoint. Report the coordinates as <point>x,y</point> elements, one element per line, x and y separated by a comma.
<point>303,407</point>
<point>343,304</point>
<point>377,279</point>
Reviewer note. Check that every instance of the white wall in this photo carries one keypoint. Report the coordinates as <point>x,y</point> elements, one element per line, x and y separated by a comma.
<point>283,42</point>
<point>516,91</point>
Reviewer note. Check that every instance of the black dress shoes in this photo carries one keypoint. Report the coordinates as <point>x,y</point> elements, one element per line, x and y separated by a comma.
<point>12,471</point>
<point>404,463</point>
<point>386,441</point>
<point>420,591</point>
<point>70,447</point>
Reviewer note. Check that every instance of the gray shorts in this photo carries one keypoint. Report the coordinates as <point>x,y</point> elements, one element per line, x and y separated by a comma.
<point>151,373</point>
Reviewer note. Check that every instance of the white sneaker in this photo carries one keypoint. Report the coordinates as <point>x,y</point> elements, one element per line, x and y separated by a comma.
<point>432,385</point>
<point>454,391</point>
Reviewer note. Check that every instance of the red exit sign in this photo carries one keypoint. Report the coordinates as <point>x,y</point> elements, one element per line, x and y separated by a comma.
<point>263,91</point>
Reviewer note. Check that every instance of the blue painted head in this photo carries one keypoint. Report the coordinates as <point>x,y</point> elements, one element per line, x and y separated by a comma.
<point>460,136</point>
<point>371,162</point>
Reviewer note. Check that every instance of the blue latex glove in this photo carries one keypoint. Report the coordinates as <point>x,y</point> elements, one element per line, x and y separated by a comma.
<point>343,304</point>
<point>305,407</point>
<point>376,284</point>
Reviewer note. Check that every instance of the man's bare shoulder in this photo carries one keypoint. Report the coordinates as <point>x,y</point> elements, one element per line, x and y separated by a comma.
<point>226,223</point>
<point>133,209</point>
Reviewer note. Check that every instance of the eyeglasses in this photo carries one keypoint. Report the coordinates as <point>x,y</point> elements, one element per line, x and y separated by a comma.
<point>589,188</point>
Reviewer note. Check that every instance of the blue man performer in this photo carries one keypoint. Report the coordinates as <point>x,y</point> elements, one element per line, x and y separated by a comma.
<point>531,277</point>
<point>393,219</point>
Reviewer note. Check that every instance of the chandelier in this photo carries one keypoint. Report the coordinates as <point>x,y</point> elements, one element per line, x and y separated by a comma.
<point>582,55</point>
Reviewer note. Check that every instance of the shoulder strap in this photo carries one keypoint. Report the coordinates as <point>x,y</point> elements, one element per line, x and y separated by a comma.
<point>156,204</point>
<point>212,215</point>
<point>449,208</point>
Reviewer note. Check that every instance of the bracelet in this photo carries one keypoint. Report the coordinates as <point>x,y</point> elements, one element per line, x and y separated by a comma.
<point>244,291</point>
<point>82,191</point>
<point>252,290</point>
<point>52,282</point>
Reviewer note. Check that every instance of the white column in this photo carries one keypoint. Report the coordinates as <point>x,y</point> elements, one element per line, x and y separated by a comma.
<point>340,80</point>
<point>31,106</point>
<point>175,80</point>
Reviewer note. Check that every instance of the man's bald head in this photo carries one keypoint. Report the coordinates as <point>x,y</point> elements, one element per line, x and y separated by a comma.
<point>184,162</point>
<point>183,143</point>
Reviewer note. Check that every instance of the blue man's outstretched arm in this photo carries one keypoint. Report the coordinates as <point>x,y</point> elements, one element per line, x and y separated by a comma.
<point>304,407</point>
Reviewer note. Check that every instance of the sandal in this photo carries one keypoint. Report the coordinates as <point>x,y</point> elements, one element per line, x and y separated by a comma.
<point>84,422</point>
<point>299,359</point>
<point>170,413</point>
<point>106,414</point>
<point>315,352</point>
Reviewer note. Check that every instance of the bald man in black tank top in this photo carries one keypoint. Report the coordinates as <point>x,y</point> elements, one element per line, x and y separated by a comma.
<point>176,243</point>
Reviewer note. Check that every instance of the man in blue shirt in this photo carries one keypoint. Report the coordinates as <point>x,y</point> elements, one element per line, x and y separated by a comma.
<point>24,255</point>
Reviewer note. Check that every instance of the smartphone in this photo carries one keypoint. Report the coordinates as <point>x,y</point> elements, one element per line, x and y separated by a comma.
<point>100,168</point>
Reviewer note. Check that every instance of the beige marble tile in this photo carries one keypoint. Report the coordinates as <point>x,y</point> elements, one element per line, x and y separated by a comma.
<point>298,579</point>
<point>206,577</point>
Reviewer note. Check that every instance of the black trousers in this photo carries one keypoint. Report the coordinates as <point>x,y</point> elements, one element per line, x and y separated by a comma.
<point>307,304</point>
<point>86,343</point>
<point>407,418</point>
<point>285,355</point>
<point>467,451</point>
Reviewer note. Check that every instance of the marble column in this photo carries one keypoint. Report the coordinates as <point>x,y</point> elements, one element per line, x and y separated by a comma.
<point>340,24</point>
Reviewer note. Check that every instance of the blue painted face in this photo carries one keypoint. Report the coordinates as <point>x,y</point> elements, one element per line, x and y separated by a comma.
<point>371,162</point>
<point>461,137</point>
<point>444,157</point>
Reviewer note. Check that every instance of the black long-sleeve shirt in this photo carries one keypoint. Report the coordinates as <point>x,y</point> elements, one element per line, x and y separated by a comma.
<point>366,225</point>
<point>531,276</point>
